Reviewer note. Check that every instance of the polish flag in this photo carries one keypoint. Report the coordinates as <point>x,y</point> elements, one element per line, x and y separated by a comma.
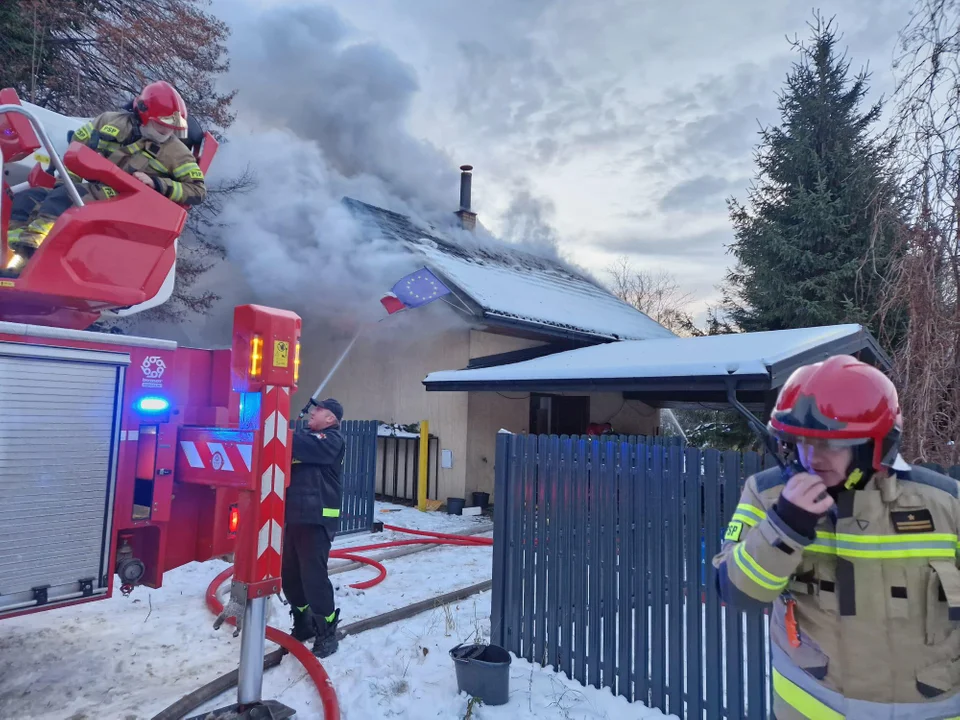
<point>392,303</point>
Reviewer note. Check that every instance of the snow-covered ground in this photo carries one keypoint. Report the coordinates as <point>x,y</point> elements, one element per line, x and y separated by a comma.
<point>128,658</point>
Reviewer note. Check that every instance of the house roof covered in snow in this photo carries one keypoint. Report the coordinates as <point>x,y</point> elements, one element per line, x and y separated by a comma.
<point>509,287</point>
<point>674,371</point>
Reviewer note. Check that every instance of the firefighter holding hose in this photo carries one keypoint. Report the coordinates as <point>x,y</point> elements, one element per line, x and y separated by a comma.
<point>312,518</point>
<point>857,553</point>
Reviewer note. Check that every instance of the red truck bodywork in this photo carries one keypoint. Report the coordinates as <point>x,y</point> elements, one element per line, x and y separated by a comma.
<point>181,473</point>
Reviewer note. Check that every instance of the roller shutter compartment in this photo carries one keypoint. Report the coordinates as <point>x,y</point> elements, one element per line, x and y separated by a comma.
<point>59,427</point>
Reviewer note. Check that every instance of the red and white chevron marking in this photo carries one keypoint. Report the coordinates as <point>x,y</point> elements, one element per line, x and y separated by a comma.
<point>275,462</point>
<point>219,456</point>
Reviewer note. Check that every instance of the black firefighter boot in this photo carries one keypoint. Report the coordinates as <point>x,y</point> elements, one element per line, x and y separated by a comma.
<point>304,627</point>
<point>326,642</point>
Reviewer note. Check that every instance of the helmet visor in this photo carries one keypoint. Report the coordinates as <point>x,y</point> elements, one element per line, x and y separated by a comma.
<point>174,121</point>
<point>820,443</point>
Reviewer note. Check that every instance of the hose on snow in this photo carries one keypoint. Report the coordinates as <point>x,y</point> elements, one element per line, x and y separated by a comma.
<point>328,696</point>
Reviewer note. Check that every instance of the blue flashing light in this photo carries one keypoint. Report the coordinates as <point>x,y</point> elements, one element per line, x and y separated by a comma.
<point>153,404</point>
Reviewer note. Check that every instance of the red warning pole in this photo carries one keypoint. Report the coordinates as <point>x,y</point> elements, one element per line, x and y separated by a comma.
<point>265,359</point>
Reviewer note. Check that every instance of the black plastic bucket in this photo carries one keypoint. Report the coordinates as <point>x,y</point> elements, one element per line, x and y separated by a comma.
<point>455,506</point>
<point>481,500</point>
<point>483,671</point>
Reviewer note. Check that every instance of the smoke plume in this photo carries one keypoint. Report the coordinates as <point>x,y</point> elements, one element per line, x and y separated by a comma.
<point>320,115</point>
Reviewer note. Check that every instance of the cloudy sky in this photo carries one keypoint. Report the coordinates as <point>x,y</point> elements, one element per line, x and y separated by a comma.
<point>617,127</point>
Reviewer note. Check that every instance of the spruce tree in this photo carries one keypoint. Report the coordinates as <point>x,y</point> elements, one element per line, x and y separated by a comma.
<point>815,244</point>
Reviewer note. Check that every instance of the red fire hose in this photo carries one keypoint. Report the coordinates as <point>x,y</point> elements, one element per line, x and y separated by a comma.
<point>328,696</point>
<point>470,538</point>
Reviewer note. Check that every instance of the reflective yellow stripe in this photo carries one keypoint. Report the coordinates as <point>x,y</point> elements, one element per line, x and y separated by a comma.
<point>880,554</point>
<point>749,514</point>
<point>907,545</point>
<point>108,145</point>
<point>745,519</point>
<point>176,191</point>
<point>802,701</point>
<point>889,539</point>
<point>158,166</point>
<point>186,169</point>
<point>752,570</point>
<point>331,512</point>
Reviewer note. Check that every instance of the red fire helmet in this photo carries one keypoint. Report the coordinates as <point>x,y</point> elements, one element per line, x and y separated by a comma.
<point>160,102</point>
<point>844,402</point>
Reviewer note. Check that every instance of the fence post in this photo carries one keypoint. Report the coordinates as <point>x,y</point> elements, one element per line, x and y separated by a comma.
<point>370,470</point>
<point>501,495</point>
<point>422,470</point>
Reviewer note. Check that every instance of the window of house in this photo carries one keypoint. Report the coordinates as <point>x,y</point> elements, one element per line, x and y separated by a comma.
<point>559,414</point>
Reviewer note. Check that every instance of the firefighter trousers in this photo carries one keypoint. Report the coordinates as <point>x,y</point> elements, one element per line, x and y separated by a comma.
<point>43,205</point>
<point>35,202</point>
<point>306,550</point>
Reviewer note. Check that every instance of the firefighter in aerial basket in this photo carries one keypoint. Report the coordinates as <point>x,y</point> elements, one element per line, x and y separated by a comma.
<point>146,140</point>
<point>856,552</point>
<point>312,519</point>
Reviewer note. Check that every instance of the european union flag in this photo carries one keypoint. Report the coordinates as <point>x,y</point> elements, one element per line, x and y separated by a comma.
<point>418,288</point>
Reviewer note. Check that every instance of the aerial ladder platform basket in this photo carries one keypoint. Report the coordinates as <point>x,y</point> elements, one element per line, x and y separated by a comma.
<point>108,258</point>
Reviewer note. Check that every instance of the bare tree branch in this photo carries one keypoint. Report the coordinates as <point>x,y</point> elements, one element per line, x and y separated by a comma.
<point>657,294</point>
<point>925,283</point>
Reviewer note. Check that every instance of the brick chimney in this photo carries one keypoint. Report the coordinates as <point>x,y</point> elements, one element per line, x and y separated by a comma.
<point>468,219</point>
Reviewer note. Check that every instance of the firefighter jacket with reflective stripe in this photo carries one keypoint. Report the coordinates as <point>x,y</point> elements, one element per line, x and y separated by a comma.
<point>875,597</point>
<point>315,488</point>
<point>174,170</point>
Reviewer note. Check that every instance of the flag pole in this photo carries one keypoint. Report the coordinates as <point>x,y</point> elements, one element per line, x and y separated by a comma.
<point>449,285</point>
<point>465,310</point>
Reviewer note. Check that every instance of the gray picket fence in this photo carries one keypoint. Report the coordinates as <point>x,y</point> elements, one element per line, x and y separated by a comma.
<point>602,570</point>
<point>359,475</point>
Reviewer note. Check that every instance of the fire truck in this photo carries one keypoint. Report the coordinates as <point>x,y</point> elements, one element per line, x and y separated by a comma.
<point>128,456</point>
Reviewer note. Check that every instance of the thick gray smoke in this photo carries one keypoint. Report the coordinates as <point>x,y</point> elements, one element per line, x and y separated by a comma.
<point>320,116</point>
<point>527,223</point>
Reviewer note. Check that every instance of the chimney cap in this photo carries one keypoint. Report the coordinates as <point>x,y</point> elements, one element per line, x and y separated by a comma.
<point>466,168</point>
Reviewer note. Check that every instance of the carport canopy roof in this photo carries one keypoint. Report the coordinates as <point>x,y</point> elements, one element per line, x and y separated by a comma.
<point>674,372</point>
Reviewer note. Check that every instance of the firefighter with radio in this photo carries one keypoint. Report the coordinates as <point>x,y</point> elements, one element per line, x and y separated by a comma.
<point>312,518</point>
<point>145,140</point>
<point>857,553</point>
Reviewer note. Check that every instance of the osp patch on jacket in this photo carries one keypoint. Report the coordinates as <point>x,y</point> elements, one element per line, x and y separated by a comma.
<point>734,530</point>
<point>912,521</point>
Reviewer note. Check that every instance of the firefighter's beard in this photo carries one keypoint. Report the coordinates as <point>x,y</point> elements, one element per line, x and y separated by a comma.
<point>156,133</point>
